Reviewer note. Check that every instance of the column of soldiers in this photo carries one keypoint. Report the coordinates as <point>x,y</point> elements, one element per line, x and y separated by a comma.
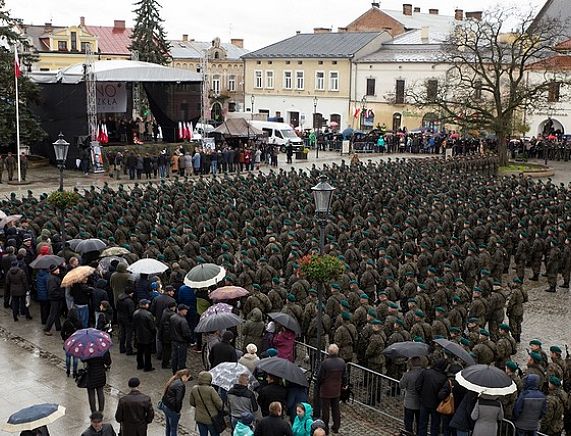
<point>431,248</point>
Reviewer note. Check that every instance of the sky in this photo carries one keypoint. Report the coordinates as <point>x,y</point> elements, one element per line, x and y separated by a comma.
<point>258,22</point>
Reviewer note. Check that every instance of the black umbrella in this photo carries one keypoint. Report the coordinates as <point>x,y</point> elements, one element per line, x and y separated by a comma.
<point>218,321</point>
<point>204,276</point>
<point>457,350</point>
<point>406,349</point>
<point>45,261</point>
<point>283,368</point>
<point>90,245</point>
<point>485,379</point>
<point>287,321</point>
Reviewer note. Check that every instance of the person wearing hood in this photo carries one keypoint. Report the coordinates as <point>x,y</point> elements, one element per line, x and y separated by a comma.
<point>69,327</point>
<point>223,351</point>
<point>487,412</point>
<point>207,402</point>
<point>284,342</point>
<point>241,399</point>
<point>42,294</point>
<point>244,425</point>
<point>428,386</point>
<point>303,420</point>
<point>250,358</point>
<point>119,281</point>
<point>530,407</point>
<point>17,286</point>
<point>253,328</point>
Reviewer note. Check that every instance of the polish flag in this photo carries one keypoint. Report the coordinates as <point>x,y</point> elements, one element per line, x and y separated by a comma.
<point>357,113</point>
<point>17,70</point>
<point>180,131</point>
<point>190,131</point>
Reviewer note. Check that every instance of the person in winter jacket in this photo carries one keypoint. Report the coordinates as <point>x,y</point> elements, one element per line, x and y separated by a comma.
<point>104,317</point>
<point>81,294</point>
<point>42,294</point>
<point>530,406</point>
<point>461,421</point>
<point>145,332</point>
<point>207,402</point>
<point>253,328</point>
<point>56,295</point>
<point>164,333</point>
<point>284,342</point>
<point>303,420</point>
<point>486,414</point>
<point>241,399</point>
<point>428,386</point>
<point>69,327</point>
<point>273,424</point>
<point>244,425</point>
<point>134,411</point>
<point>97,427</point>
<point>119,281</point>
<point>223,351</point>
<point>411,398</point>
<point>125,311</point>
<point>98,294</point>
<point>171,403</point>
<point>180,337</point>
<point>96,380</point>
<point>17,286</point>
<point>250,358</point>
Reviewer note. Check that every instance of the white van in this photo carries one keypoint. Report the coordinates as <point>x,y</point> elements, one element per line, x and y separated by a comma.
<point>278,133</point>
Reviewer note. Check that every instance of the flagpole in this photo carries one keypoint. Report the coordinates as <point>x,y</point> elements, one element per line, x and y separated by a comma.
<point>18,128</point>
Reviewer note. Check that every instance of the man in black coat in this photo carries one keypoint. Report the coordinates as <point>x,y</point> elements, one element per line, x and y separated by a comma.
<point>428,386</point>
<point>158,306</point>
<point>134,411</point>
<point>56,296</point>
<point>223,351</point>
<point>145,331</point>
<point>273,425</point>
<point>97,427</point>
<point>17,286</point>
<point>164,333</point>
<point>331,378</point>
<point>180,335</point>
<point>125,311</point>
<point>7,260</point>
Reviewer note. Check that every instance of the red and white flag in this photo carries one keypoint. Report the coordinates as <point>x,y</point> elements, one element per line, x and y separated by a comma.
<point>17,70</point>
<point>180,131</point>
<point>357,113</point>
<point>190,133</point>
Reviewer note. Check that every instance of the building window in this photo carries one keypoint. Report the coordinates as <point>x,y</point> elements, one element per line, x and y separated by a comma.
<point>287,80</point>
<point>320,81</point>
<point>62,45</point>
<point>334,81</point>
<point>299,80</point>
<point>85,46</point>
<point>216,84</point>
<point>269,79</point>
<point>232,83</point>
<point>431,90</point>
<point>258,82</point>
<point>554,92</point>
<point>370,87</point>
<point>399,92</point>
<point>73,41</point>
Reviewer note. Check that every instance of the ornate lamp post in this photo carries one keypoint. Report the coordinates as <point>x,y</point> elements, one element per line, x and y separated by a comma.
<point>252,100</point>
<point>61,147</point>
<point>315,100</point>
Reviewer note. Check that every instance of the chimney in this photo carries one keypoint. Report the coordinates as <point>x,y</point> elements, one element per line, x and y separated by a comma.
<point>342,29</point>
<point>298,32</point>
<point>237,42</point>
<point>376,5</point>
<point>321,30</point>
<point>458,14</point>
<point>417,10</point>
<point>433,11</point>
<point>407,9</point>
<point>185,37</point>
<point>48,27</point>
<point>477,15</point>
<point>119,25</point>
<point>82,21</point>
<point>424,34</point>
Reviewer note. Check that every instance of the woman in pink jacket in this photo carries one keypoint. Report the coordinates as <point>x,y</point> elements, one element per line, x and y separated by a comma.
<point>284,342</point>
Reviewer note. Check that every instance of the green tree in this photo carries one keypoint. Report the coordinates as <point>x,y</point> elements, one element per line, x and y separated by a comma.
<point>487,84</point>
<point>149,38</point>
<point>30,129</point>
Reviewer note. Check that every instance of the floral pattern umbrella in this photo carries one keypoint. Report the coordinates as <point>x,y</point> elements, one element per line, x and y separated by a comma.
<point>86,344</point>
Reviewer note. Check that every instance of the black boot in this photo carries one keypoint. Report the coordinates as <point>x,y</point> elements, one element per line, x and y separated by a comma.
<point>535,278</point>
<point>550,289</point>
<point>565,285</point>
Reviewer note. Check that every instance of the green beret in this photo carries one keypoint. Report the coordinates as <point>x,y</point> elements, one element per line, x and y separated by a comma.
<point>505,327</point>
<point>370,262</point>
<point>422,286</point>
<point>477,289</point>
<point>409,274</point>
<point>383,293</point>
<point>438,337</point>
<point>484,332</point>
<point>399,321</point>
<point>517,280</point>
<point>335,286</point>
<point>346,316</point>
<point>354,282</point>
<point>439,280</point>
<point>418,339</point>
<point>485,272</point>
<point>512,365</point>
<point>459,280</point>
<point>372,312</point>
<point>535,342</point>
<point>432,269</point>
<point>393,305</point>
<point>457,298</point>
<point>364,296</point>
<point>554,381</point>
<point>473,320</point>
<point>225,246</point>
<point>291,297</point>
<point>455,330</point>
<point>345,303</point>
<point>419,313</point>
<point>466,342</point>
<point>256,286</point>
<point>440,309</point>
<point>375,321</point>
<point>536,356</point>
<point>275,279</point>
<point>555,349</point>
<point>312,291</point>
<point>412,300</point>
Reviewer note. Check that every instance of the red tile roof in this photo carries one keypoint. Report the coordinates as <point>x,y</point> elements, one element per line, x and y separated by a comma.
<point>553,63</point>
<point>111,40</point>
<point>565,45</point>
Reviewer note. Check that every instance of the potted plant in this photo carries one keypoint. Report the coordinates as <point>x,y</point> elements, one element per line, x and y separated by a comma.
<point>321,269</point>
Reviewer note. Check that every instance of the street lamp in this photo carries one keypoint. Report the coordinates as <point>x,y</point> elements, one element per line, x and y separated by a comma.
<point>363,107</point>
<point>252,99</point>
<point>315,99</point>
<point>322,195</point>
<point>61,146</point>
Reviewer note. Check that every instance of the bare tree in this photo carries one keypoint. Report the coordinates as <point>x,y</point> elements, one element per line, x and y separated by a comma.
<point>487,85</point>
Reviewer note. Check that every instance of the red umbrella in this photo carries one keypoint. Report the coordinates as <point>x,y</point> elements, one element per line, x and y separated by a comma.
<point>228,293</point>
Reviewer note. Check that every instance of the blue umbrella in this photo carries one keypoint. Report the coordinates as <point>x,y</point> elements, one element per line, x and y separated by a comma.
<point>33,417</point>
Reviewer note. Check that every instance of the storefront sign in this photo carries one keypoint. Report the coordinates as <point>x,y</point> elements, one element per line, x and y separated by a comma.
<point>111,98</point>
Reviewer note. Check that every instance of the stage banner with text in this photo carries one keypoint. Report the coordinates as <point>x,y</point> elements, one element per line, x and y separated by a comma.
<point>111,97</point>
